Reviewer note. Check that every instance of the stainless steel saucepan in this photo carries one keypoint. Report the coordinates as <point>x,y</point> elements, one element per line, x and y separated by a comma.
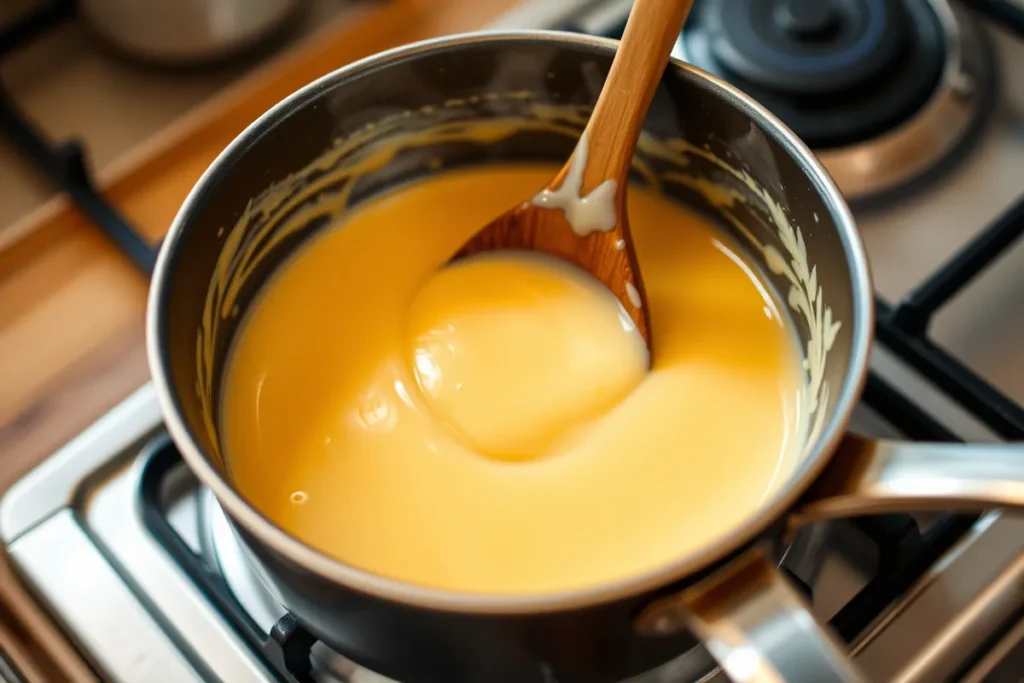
<point>240,223</point>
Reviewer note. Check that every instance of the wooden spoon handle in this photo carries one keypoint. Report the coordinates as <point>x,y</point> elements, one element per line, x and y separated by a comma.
<point>651,32</point>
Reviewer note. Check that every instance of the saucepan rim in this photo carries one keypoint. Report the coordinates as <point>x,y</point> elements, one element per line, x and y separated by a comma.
<point>312,560</point>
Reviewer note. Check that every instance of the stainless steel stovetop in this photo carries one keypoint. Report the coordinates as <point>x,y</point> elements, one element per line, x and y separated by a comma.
<point>79,531</point>
<point>136,562</point>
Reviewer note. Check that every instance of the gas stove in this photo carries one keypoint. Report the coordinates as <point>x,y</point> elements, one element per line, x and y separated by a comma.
<point>138,564</point>
<point>136,561</point>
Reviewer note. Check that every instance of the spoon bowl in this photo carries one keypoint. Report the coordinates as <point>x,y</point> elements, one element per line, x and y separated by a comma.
<point>580,217</point>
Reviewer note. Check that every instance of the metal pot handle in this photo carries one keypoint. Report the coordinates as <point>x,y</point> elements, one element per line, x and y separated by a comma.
<point>755,624</point>
<point>751,619</point>
<point>867,477</point>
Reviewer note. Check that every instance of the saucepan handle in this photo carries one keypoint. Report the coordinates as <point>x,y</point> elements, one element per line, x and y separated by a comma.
<point>755,624</point>
<point>752,620</point>
<point>867,476</point>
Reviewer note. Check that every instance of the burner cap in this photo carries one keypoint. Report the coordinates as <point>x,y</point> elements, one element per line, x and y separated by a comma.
<point>806,21</point>
<point>836,71</point>
<point>806,47</point>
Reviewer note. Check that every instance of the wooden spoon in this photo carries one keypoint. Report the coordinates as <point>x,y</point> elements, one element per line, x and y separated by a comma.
<point>592,230</point>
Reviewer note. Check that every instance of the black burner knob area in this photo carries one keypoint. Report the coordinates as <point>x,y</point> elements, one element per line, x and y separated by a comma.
<point>806,46</point>
<point>836,71</point>
<point>806,20</point>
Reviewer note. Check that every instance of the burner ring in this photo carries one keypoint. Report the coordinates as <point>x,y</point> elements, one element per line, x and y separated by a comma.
<point>919,146</point>
<point>224,551</point>
<point>920,143</point>
<point>805,46</point>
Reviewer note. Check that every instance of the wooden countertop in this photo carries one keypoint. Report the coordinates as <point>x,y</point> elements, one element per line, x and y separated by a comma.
<point>72,308</point>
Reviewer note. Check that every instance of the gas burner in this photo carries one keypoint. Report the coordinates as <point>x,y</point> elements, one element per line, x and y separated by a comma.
<point>883,90</point>
<point>838,72</point>
<point>224,551</point>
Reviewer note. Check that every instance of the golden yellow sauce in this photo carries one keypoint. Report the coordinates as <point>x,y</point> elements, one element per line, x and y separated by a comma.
<point>363,413</point>
<point>519,352</point>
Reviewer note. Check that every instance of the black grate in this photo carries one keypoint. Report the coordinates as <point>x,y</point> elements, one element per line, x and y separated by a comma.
<point>904,328</point>
<point>904,551</point>
<point>64,164</point>
<point>286,650</point>
<point>23,29</point>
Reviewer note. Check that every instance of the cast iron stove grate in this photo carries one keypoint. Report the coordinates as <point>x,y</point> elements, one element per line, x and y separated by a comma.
<point>64,164</point>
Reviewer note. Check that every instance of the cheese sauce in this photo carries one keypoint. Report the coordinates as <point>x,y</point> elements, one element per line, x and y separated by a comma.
<point>518,351</point>
<point>492,427</point>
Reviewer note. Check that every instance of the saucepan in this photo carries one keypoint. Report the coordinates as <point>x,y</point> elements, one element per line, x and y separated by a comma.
<point>487,98</point>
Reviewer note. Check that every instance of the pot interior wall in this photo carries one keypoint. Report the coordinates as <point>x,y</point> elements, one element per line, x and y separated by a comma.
<point>465,85</point>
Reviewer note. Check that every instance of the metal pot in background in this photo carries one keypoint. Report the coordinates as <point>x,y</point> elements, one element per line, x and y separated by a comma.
<point>186,31</point>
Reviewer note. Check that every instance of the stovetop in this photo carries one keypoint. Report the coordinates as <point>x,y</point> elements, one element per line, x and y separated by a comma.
<point>138,565</point>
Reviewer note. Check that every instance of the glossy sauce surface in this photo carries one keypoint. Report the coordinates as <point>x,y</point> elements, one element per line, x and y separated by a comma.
<point>558,465</point>
<point>518,353</point>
